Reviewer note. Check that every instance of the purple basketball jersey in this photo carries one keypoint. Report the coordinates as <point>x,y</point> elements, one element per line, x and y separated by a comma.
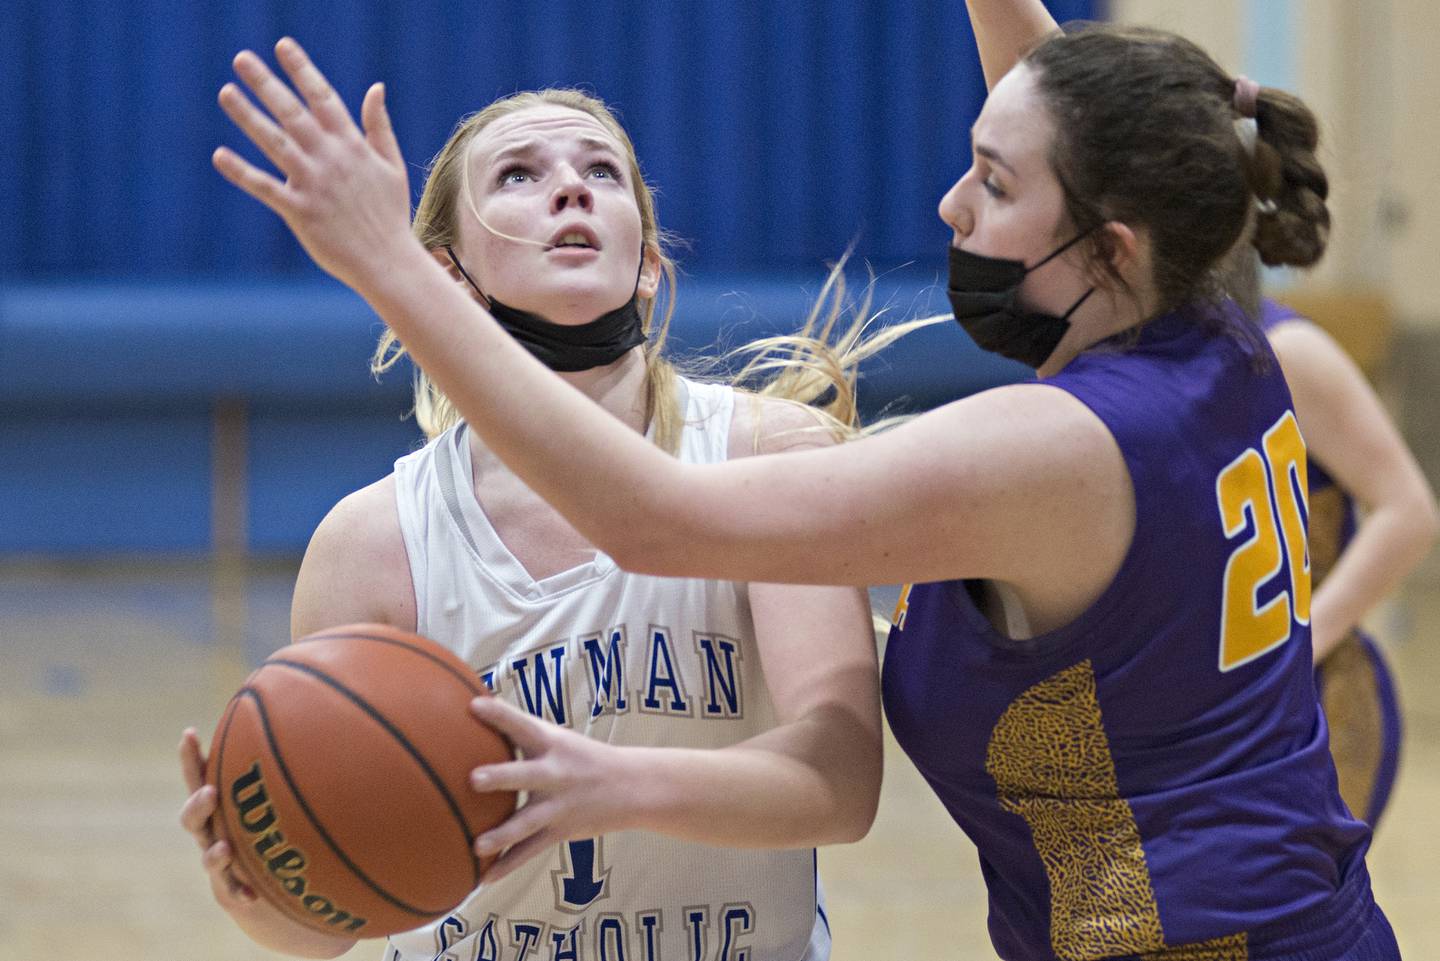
<point>1152,779</point>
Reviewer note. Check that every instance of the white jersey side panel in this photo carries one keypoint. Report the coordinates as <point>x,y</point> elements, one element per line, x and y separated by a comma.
<point>628,659</point>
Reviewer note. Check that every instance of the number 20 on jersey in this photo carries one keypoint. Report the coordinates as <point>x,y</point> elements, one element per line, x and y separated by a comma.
<point>1270,488</point>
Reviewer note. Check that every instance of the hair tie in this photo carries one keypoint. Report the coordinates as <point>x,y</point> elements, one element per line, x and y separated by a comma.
<point>1248,133</point>
<point>1247,95</point>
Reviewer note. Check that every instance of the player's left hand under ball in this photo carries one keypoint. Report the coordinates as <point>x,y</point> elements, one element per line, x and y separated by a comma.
<point>197,817</point>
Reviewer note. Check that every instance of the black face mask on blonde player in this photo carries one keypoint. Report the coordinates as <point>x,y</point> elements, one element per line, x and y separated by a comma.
<point>563,347</point>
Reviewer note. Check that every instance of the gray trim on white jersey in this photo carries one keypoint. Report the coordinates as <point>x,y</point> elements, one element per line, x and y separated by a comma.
<point>628,659</point>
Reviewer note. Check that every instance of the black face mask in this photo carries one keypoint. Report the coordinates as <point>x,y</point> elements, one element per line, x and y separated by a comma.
<point>564,347</point>
<point>984,296</point>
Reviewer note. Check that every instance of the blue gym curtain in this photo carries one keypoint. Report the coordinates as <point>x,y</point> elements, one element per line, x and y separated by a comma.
<point>775,132</point>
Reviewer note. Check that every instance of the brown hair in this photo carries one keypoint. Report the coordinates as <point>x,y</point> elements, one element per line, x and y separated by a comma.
<point>1145,134</point>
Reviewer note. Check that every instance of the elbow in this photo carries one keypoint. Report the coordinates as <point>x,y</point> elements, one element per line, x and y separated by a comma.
<point>855,805</point>
<point>857,821</point>
<point>1429,520</point>
<point>1421,519</point>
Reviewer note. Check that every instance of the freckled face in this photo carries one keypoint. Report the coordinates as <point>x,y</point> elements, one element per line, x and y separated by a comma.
<point>556,177</point>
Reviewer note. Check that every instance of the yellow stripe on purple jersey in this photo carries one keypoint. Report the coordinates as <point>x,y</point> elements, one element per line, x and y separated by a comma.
<point>1153,780</point>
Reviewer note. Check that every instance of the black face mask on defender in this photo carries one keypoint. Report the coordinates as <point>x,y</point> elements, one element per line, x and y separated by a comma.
<point>564,347</point>
<point>984,294</point>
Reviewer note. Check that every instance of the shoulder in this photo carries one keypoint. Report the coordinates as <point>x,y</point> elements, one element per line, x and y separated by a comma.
<point>1018,444</point>
<point>366,517</point>
<point>1032,450</point>
<point>1040,414</point>
<point>771,425</point>
<point>1317,369</point>
<point>1304,345</point>
<point>356,566</point>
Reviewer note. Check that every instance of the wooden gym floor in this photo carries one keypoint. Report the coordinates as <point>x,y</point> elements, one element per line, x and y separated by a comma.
<point>101,666</point>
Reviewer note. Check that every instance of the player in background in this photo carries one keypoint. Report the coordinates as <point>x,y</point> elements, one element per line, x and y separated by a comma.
<point>1372,520</point>
<point>739,721</point>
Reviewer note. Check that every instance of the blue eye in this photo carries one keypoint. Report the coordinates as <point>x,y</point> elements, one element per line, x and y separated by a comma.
<point>606,171</point>
<point>514,175</point>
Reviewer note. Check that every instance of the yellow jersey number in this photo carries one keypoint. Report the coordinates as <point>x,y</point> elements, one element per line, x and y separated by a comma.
<point>1264,485</point>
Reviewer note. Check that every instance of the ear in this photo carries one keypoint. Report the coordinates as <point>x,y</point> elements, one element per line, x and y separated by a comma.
<point>443,258</point>
<point>649,284</point>
<point>1127,255</point>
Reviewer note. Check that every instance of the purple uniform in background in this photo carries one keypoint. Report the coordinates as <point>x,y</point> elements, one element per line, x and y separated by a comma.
<point>1154,779</point>
<point>1355,684</point>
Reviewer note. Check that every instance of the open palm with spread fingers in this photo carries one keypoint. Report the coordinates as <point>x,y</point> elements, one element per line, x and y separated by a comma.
<point>345,193</point>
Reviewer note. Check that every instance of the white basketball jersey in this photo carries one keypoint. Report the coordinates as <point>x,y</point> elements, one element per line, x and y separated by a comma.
<point>628,659</point>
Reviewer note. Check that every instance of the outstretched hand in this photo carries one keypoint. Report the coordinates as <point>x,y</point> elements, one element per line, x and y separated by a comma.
<point>575,785</point>
<point>346,194</point>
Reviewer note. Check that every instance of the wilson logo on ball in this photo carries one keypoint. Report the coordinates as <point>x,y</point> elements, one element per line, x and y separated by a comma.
<point>283,861</point>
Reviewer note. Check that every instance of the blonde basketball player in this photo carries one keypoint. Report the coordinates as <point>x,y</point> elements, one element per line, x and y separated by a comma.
<point>744,715</point>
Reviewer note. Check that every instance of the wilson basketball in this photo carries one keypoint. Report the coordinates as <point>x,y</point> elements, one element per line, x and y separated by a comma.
<point>342,766</point>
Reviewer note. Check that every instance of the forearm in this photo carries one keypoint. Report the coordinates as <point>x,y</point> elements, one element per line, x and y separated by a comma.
<point>1386,547</point>
<point>811,782</point>
<point>607,480</point>
<point>268,927</point>
<point>1005,30</point>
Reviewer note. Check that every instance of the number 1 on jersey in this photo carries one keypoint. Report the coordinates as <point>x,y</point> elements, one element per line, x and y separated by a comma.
<point>582,879</point>
<point>1263,487</point>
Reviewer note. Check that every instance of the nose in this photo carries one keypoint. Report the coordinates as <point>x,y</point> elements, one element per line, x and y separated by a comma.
<point>955,212</point>
<point>570,191</point>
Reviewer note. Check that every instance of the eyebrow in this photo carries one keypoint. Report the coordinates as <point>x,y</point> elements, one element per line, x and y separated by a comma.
<point>992,155</point>
<point>531,145</point>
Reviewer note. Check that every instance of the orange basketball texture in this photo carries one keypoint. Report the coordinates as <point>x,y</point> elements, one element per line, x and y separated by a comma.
<point>342,766</point>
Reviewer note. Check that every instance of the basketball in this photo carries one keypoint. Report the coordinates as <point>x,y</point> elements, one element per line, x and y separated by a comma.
<point>342,766</point>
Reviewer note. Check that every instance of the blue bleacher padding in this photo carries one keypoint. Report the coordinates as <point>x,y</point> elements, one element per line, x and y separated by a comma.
<point>107,389</point>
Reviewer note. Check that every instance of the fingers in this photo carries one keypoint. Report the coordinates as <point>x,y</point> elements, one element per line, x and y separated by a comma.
<point>273,142</point>
<point>218,861</point>
<point>287,109</point>
<point>255,182</point>
<point>518,855</point>
<point>531,776</point>
<point>325,104</point>
<point>192,762</point>
<point>529,734</point>
<point>195,817</point>
<point>196,813</point>
<point>378,129</point>
<point>530,820</point>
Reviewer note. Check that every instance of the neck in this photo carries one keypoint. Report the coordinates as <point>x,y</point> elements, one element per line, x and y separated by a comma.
<point>1104,315</point>
<point>620,388</point>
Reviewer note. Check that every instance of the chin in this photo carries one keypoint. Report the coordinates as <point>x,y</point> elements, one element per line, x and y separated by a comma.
<point>580,306</point>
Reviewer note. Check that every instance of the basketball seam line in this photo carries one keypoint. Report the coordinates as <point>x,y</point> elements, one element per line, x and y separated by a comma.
<point>309,813</point>
<point>465,677</point>
<point>404,741</point>
<point>284,906</point>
